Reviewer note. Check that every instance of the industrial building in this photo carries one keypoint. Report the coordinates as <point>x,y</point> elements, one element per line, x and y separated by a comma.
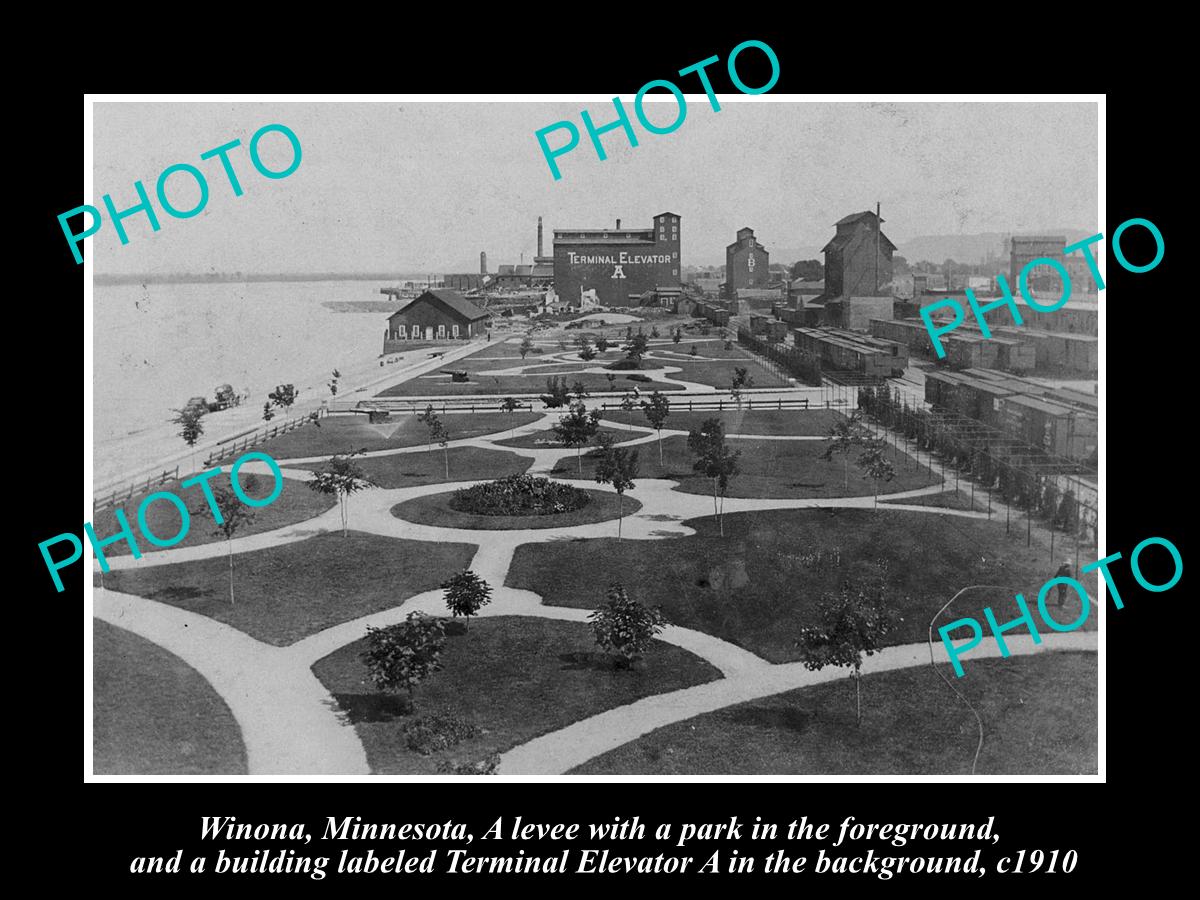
<point>624,267</point>
<point>437,315</point>
<point>858,273</point>
<point>1044,280</point>
<point>747,264</point>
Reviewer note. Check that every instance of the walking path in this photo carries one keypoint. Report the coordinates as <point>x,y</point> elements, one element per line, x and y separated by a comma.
<point>291,724</point>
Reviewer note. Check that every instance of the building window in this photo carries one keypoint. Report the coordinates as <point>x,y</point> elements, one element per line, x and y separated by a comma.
<point>441,332</point>
<point>674,271</point>
<point>400,332</point>
<point>416,332</point>
<point>454,331</point>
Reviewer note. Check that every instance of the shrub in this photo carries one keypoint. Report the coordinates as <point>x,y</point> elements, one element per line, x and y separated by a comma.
<point>519,495</point>
<point>625,626</point>
<point>438,731</point>
<point>639,377</point>
<point>485,766</point>
<point>621,364</point>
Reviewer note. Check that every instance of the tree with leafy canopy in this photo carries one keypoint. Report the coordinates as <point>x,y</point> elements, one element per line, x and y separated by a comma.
<point>437,434</point>
<point>617,466</point>
<point>852,623</point>
<point>677,336</point>
<point>341,477</point>
<point>399,657</point>
<point>602,343</point>
<point>190,426</point>
<point>284,396</point>
<point>715,460</point>
<point>333,384</point>
<point>466,593</point>
<point>875,465</point>
<point>612,380</point>
<point>624,626</point>
<point>268,415</point>
<point>579,389</point>
<point>847,434</point>
<point>526,346</point>
<point>557,392</point>
<point>656,409</point>
<point>231,515</point>
<point>741,379</point>
<point>693,351</point>
<point>636,348</point>
<point>576,428</point>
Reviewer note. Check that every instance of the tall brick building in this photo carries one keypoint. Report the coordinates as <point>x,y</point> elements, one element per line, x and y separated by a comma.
<point>746,264</point>
<point>620,265</point>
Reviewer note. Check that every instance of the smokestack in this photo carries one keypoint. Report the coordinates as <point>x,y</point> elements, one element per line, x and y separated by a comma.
<point>482,263</point>
<point>539,235</point>
<point>618,224</point>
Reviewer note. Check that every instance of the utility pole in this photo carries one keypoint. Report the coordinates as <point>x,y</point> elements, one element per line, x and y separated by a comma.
<point>878,229</point>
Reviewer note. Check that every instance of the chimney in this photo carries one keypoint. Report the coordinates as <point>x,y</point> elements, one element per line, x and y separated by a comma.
<point>482,263</point>
<point>539,236</point>
<point>618,224</point>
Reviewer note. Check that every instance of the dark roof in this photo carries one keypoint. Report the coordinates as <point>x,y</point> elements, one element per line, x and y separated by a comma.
<point>668,213</point>
<point>854,217</point>
<point>455,301</point>
<point>841,240</point>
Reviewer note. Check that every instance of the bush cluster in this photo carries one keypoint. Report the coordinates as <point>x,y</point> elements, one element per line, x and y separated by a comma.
<point>519,495</point>
<point>438,731</point>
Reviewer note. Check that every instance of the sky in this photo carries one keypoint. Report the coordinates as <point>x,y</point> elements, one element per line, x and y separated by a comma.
<point>409,187</point>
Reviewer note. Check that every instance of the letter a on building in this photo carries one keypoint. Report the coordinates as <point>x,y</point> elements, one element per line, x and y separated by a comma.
<point>618,271</point>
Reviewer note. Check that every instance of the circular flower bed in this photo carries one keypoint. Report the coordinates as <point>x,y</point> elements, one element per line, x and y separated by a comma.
<point>519,495</point>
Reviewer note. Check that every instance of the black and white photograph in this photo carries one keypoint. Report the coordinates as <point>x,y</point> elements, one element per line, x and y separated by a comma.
<point>524,438</point>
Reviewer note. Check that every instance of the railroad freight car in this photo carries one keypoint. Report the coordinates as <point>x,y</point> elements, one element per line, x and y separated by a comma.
<point>853,352</point>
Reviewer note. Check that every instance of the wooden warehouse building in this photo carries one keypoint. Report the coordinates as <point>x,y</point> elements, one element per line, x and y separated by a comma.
<point>436,315</point>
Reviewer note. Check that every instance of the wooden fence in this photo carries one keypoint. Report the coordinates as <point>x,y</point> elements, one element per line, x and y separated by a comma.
<point>135,487</point>
<point>747,404</point>
<point>239,443</point>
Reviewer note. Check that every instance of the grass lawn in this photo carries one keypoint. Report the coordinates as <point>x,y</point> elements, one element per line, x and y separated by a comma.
<point>948,500</point>
<point>339,434</point>
<point>297,503</point>
<point>1039,717</point>
<point>411,469</point>
<point>153,714</point>
<point>503,385</point>
<point>716,372</point>
<point>514,677</point>
<point>773,422</point>
<point>760,583</point>
<point>778,469</point>
<point>286,593</point>
<point>546,440</point>
<point>435,510</point>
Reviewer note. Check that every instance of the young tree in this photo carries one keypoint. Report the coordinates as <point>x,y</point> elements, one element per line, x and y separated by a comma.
<point>715,460</point>
<point>526,346</point>
<point>602,343</point>
<point>399,657</point>
<point>618,466</point>
<point>875,465</point>
<point>654,331</point>
<point>341,477</point>
<point>234,514</point>
<point>625,626</point>
<point>466,593</point>
<point>557,392</point>
<point>580,390</point>
<point>677,336</point>
<point>848,433</point>
<point>851,624</point>
<point>636,348</point>
<point>437,434</point>
<point>576,428</point>
<point>657,408</point>
<point>284,396</point>
<point>629,402</point>
<point>190,426</point>
<point>268,415</point>
<point>612,380</point>
<point>510,406</point>
<point>693,351</point>
<point>741,379</point>
<point>587,354</point>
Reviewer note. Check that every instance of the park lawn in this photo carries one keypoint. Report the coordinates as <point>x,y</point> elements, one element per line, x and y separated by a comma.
<point>1039,717</point>
<point>153,714</point>
<point>434,509</point>
<point>799,422</point>
<point>546,440</point>
<point>757,586</point>
<point>283,594</point>
<point>769,469</point>
<point>718,373</point>
<point>515,677</point>
<point>296,503</point>
<point>341,434</point>
<point>399,470</point>
<point>947,500</point>
<point>504,385</point>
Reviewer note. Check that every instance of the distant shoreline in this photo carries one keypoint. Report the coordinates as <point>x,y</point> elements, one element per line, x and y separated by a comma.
<point>237,277</point>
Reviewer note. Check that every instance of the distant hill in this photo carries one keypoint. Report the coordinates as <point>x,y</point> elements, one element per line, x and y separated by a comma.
<point>971,248</point>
